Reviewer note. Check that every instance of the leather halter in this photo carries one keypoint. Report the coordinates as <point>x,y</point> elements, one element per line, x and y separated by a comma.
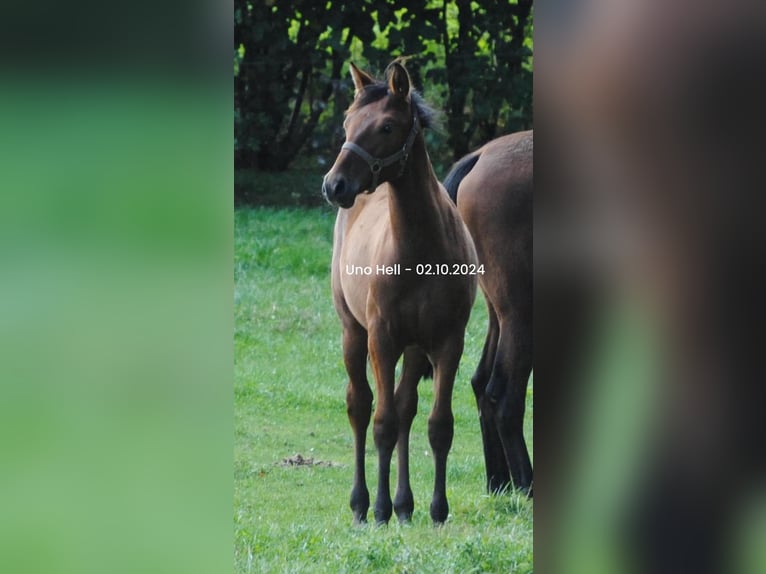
<point>377,164</point>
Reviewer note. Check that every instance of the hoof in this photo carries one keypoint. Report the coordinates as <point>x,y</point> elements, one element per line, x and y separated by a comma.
<point>404,517</point>
<point>359,503</point>
<point>499,485</point>
<point>404,505</point>
<point>383,513</point>
<point>360,519</point>
<point>528,491</point>
<point>439,511</point>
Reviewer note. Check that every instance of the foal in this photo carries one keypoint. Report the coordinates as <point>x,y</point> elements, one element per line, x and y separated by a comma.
<point>396,224</point>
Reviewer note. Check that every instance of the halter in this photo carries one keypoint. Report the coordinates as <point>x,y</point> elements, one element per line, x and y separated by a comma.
<point>376,164</point>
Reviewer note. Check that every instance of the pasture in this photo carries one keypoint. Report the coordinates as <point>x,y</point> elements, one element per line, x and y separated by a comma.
<point>293,448</point>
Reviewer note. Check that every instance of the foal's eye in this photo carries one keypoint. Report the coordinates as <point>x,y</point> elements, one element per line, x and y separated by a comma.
<point>387,128</point>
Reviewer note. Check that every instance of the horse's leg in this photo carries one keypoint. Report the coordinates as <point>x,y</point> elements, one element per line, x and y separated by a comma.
<point>441,422</point>
<point>383,356</point>
<point>415,366</point>
<point>507,390</point>
<point>498,476</point>
<point>359,407</point>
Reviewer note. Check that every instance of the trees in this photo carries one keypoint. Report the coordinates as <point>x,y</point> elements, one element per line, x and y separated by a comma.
<point>489,85</point>
<point>291,86</point>
<point>288,58</point>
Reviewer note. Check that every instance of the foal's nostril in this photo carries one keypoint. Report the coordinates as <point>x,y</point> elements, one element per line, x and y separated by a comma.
<point>328,186</point>
<point>339,187</point>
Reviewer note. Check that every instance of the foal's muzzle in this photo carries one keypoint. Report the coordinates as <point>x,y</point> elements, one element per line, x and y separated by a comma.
<point>337,191</point>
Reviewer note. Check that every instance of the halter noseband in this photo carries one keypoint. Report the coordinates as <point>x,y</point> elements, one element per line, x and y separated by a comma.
<point>376,164</point>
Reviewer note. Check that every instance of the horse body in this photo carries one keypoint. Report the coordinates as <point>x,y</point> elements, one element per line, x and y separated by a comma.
<point>492,188</point>
<point>391,312</point>
<point>365,237</point>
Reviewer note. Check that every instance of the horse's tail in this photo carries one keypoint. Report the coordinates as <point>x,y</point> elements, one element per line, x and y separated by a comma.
<point>458,171</point>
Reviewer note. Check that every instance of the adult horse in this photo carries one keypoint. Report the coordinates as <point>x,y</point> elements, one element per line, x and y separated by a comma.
<point>492,188</point>
<point>396,225</point>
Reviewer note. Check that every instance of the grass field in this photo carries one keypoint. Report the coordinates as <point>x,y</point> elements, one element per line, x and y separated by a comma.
<point>290,400</point>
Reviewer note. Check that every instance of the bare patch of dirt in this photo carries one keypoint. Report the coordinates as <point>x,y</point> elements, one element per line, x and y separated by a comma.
<point>300,460</point>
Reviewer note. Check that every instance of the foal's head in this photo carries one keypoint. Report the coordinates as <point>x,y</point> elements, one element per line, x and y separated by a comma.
<point>381,126</point>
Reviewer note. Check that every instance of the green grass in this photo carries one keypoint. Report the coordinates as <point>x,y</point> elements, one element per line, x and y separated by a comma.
<point>290,399</point>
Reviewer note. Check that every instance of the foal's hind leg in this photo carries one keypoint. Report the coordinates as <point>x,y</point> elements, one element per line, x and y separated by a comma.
<point>507,391</point>
<point>415,366</point>
<point>359,406</point>
<point>498,475</point>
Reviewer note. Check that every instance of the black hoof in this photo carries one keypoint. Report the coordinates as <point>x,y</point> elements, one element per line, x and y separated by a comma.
<point>383,513</point>
<point>404,517</point>
<point>499,484</point>
<point>528,490</point>
<point>360,519</point>
<point>404,505</point>
<point>360,503</point>
<point>439,511</point>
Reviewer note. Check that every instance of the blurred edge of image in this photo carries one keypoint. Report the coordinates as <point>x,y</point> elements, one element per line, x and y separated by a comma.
<point>115,306</point>
<point>116,292</point>
<point>649,283</point>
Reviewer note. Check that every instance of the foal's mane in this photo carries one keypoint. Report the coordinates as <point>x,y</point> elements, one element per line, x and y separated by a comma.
<point>378,90</point>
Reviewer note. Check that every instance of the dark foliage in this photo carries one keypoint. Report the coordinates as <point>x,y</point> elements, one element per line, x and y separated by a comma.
<point>291,82</point>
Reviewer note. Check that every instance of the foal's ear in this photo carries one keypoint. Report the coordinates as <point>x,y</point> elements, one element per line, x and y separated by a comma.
<point>361,79</point>
<point>399,81</point>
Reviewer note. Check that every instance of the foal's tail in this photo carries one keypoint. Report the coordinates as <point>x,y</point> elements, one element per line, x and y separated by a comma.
<point>458,171</point>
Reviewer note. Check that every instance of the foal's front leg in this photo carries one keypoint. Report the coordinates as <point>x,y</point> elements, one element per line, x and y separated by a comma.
<point>383,356</point>
<point>441,423</point>
<point>359,408</point>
